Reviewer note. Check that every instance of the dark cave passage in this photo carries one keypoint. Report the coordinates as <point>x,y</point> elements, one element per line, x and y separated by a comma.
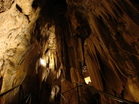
<point>47,46</point>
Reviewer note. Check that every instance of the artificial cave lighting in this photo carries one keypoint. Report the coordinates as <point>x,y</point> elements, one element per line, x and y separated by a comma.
<point>87,80</point>
<point>43,63</point>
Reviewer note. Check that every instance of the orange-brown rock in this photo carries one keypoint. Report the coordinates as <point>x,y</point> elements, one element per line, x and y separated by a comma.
<point>48,45</point>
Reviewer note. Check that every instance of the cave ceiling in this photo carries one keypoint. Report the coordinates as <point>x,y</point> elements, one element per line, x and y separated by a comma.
<point>49,45</point>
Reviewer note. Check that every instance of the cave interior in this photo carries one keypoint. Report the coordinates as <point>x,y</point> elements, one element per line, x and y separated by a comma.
<point>69,52</point>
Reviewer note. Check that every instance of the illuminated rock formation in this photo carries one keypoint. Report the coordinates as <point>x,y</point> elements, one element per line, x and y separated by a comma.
<point>49,45</point>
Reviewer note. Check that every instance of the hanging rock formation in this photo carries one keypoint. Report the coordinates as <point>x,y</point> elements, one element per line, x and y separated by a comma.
<point>70,37</point>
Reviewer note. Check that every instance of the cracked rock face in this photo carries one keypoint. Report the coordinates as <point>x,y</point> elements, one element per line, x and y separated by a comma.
<point>15,36</point>
<point>5,5</point>
<point>100,37</point>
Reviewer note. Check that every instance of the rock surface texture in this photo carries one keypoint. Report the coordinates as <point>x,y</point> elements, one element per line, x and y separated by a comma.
<point>70,37</point>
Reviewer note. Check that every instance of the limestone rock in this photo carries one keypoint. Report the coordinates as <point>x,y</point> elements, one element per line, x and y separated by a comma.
<point>70,36</point>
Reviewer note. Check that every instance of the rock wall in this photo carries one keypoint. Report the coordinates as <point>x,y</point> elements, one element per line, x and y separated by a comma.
<point>17,23</point>
<point>70,36</point>
<point>111,50</point>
